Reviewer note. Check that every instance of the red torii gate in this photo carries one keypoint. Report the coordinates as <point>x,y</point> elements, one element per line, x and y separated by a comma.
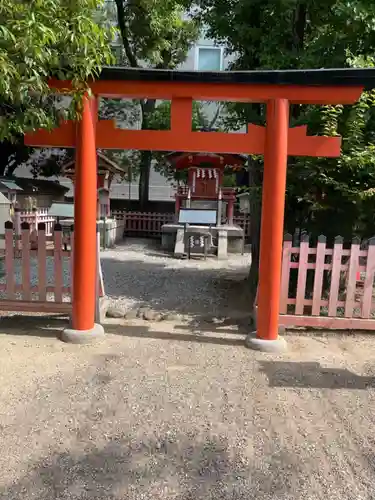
<point>277,89</point>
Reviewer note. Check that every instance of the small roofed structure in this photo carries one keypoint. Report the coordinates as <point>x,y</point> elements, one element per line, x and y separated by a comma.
<point>205,179</point>
<point>29,193</point>
<point>107,169</point>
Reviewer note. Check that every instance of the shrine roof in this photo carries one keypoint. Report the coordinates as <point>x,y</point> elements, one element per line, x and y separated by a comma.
<point>185,159</point>
<point>362,77</point>
<point>104,163</point>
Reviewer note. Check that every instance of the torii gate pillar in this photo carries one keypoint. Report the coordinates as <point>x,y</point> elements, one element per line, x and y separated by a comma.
<point>85,252</point>
<point>272,225</point>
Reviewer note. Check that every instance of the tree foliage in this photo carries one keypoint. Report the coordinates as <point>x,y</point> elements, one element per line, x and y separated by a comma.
<point>156,34</point>
<point>297,34</point>
<point>40,39</point>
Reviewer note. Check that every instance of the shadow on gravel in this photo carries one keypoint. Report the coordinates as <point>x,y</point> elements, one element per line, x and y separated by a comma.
<point>51,326</point>
<point>178,466</point>
<point>136,331</point>
<point>189,289</point>
<point>33,326</point>
<point>312,376</point>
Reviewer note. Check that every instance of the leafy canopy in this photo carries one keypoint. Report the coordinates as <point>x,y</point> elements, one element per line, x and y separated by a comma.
<point>40,38</point>
<point>279,34</point>
<point>155,33</point>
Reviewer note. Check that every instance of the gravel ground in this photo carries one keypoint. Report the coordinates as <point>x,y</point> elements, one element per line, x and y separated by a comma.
<point>138,273</point>
<point>164,411</point>
<point>158,413</point>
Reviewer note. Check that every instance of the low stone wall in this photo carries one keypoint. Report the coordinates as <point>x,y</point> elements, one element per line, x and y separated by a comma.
<point>111,232</point>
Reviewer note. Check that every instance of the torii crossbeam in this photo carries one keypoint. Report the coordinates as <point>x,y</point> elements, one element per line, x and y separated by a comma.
<point>277,89</point>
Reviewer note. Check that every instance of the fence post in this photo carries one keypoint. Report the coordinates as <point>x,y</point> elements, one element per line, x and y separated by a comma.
<point>285,273</point>
<point>318,277</point>
<point>42,261</point>
<point>335,276</point>
<point>302,274</point>
<point>35,219</point>
<point>25,261</point>
<point>9,261</point>
<point>17,225</point>
<point>351,281</point>
<point>58,262</point>
<point>369,279</point>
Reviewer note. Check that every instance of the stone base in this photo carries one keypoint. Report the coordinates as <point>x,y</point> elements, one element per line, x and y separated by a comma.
<point>104,304</point>
<point>82,336</point>
<point>272,346</point>
<point>170,239</point>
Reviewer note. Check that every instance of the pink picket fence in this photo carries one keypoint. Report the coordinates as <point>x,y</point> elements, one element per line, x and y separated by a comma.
<point>328,287</point>
<point>150,223</point>
<point>37,270</point>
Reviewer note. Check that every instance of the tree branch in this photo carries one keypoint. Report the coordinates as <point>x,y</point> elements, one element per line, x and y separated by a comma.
<point>300,25</point>
<point>214,119</point>
<point>124,34</point>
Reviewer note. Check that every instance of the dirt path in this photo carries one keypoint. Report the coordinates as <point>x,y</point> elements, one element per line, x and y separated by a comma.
<point>159,412</point>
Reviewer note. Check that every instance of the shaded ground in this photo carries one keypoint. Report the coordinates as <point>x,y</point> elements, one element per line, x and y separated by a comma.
<point>162,413</point>
<point>137,273</point>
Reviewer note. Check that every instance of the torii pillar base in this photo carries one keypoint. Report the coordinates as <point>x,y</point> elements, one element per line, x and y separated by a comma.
<point>72,336</point>
<point>272,346</point>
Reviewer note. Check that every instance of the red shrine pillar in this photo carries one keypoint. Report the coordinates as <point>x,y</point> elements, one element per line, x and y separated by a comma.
<point>272,225</point>
<point>85,241</point>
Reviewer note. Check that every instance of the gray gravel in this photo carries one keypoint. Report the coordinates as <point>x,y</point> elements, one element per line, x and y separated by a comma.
<point>161,411</point>
<point>142,417</point>
<point>138,273</point>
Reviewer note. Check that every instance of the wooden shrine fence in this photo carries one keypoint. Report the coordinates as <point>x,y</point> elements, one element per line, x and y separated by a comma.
<point>328,287</point>
<point>37,269</point>
<point>149,223</point>
<point>37,273</point>
<point>34,217</point>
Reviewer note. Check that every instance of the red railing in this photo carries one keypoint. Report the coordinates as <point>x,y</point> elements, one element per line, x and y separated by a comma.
<point>150,223</point>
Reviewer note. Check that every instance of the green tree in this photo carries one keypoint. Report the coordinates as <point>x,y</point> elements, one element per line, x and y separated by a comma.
<point>279,34</point>
<point>40,39</point>
<point>156,34</point>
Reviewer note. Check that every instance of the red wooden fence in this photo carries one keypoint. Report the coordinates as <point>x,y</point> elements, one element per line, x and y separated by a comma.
<point>320,286</point>
<point>150,223</point>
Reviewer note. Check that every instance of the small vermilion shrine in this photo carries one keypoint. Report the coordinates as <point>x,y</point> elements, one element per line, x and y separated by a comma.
<point>205,180</point>
<point>106,171</point>
<point>277,90</point>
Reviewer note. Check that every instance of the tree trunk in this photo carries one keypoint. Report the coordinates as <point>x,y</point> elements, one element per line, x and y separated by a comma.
<point>148,107</point>
<point>255,182</point>
<point>12,155</point>
<point>144,179</point>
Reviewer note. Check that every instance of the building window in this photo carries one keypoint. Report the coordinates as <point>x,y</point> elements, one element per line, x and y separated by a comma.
<point>209,59</point>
